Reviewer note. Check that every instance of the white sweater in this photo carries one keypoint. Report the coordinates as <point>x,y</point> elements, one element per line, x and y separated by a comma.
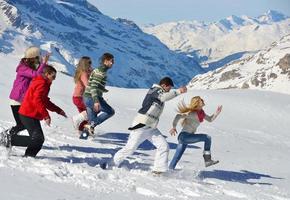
<point>191,121</point>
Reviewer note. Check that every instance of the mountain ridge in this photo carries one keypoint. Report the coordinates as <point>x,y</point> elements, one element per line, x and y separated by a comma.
<point>71,29</point>
<point>212,42</point>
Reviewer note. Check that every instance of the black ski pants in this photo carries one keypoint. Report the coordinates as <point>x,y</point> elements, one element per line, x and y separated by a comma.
<point>19,126</point>
<point>35,139</point>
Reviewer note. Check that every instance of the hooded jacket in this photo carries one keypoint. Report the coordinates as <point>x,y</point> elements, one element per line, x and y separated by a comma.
<point>23,78</point>
<point>36,100</point>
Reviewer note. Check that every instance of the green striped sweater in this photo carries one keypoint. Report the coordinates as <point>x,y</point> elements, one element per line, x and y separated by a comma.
<point>96,84</point>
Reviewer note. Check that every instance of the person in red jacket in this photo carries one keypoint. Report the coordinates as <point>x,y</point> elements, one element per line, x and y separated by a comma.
<point>34,108</point>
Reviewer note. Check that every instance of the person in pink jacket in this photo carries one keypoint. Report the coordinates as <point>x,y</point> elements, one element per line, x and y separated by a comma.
<point>29,67</point>
<point>81,78</point>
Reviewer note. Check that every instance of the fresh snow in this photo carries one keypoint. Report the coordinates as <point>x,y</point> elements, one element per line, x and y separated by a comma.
<point>250,138</point>
<point>210,42</point>
<point>262,71</point>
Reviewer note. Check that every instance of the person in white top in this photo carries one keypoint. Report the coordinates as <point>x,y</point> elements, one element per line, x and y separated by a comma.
<point>192,116</point>
<point>145,123</point>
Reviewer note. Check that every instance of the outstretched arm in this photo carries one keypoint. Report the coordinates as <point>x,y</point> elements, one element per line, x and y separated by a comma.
<point>214,116</point>
<point>166,96</point>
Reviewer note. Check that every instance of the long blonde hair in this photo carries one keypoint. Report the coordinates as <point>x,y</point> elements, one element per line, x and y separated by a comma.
<point>84,65</point>
<point>193,106</point>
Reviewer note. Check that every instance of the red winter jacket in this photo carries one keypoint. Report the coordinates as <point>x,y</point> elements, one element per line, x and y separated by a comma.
<point>36,100</point>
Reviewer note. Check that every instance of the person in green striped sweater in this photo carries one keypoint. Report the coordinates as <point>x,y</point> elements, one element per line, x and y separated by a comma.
<point>98,109</point>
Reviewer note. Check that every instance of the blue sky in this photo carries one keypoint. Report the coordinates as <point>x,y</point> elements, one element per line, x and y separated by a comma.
<point>159,11</point>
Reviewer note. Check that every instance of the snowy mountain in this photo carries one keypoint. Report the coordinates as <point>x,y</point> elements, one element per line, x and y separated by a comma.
<point>73,28</point>
<point>250,138</point>
<point>218,43</point>
<point>268,69</point>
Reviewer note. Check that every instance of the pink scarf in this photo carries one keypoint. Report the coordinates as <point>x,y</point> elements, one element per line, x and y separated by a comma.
<point>200,115</point>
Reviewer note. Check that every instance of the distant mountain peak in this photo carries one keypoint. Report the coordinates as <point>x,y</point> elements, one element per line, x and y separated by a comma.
<point>73,28</point>
<point>272,16</point>
<point>128,23</point>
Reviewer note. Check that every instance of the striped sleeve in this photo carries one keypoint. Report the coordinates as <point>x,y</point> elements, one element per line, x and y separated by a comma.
<point>97,85</point>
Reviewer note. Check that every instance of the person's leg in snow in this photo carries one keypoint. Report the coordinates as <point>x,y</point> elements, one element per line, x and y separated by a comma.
<point>19,126</point>
<point>96,118</point>
<point>36,135</point>
<point>177,156</point>
<point>136,138</point>
<point>185,138</point>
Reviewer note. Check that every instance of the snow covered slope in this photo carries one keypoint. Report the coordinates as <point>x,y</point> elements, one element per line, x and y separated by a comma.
<point>250,138</point>
<point>74,28</point>
<point>268,70</point>
<point>225,40</point>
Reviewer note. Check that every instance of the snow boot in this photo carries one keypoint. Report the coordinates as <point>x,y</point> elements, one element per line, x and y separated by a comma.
<point>84,135</point>
<point>5,138</point>
<point>207,159</point>
<point>89,129</point>
<point>78,119</point>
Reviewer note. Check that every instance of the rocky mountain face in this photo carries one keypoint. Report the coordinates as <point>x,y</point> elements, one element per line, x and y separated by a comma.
<point>268,69</point>
<point>216,44</point>
<point>74,28</point>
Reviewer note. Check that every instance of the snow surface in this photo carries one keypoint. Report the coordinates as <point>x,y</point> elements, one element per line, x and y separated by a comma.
<point>250,138</point>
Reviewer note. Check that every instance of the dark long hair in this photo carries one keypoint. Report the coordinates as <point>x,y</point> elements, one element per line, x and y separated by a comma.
<point>30,62</point>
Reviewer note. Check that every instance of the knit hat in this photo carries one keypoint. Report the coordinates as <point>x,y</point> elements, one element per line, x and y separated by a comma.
<point>32,52</point>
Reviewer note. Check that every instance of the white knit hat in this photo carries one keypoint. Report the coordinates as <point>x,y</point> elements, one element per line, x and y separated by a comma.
<point>32,52</point>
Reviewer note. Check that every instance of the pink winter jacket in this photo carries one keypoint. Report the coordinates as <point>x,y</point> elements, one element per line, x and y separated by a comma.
<point>23,78</point>
<point>81,84</point>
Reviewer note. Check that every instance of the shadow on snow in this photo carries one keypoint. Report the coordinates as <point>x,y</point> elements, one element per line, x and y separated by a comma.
<point>120,139</point>
<point>243,176</point>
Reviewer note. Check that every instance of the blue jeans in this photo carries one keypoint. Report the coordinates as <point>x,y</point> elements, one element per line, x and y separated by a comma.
<point>184,139</point>
<point>96,118</point>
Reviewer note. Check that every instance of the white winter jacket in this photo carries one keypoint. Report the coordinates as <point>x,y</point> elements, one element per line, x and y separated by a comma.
<point>151,117</point>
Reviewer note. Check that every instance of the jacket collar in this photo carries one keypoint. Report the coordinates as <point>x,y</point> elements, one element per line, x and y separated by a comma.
<point>103,68</point>
<point>158,86</point>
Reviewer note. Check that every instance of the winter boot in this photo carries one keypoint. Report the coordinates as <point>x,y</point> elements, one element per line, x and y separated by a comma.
<point>207,159</point>
<point>89,129</point>
<point>5,138</point>
<point>79,118</point>
<point>84,135</point>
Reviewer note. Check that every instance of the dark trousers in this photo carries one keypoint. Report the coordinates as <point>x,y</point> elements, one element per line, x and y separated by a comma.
<point>19,126</point>
<point>36,137</point>
<point>18,140</point>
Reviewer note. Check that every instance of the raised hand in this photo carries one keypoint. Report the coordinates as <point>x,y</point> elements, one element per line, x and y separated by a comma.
<point>219,109</point>
<point>46,58</point>
<point>183,89</point>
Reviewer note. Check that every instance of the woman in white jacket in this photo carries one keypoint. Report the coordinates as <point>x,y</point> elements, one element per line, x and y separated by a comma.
<point>192,116</point>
